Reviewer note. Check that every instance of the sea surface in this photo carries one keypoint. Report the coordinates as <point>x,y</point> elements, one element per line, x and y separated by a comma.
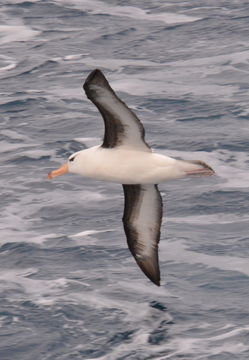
<point>69,288</point>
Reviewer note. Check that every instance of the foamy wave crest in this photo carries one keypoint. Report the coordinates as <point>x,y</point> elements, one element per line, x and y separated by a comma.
<point>178,251</point>
<point>12,33</point>
<point>99,7</point>
<point>18,1</point>
<point>180,84</point>
<point>6,63</point>
<point>218,218</point>
<point>108,63</point>
<point>43,292</point>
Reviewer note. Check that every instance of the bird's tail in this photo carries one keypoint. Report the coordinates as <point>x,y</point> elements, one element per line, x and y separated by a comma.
<point>197,167</point>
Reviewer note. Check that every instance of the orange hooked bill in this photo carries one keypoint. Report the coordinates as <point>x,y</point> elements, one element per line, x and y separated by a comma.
<point>61,171</point>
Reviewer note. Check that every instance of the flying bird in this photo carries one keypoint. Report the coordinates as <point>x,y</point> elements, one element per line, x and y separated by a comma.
<point>124,157</point>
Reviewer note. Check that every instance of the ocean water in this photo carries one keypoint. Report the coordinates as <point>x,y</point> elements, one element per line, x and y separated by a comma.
<point>69,286</point>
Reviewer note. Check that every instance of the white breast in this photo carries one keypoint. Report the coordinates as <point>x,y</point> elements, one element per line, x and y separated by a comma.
<point>125,166</point>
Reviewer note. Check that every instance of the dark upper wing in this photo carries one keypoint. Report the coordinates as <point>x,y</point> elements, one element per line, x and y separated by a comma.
<point>142,221</point>
<point>122,127</point>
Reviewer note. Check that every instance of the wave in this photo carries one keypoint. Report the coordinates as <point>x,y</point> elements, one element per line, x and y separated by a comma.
<point>43,292</point>
<point>180,85</point>
<point>13,2</point>
<point>218,218</point>
<point>16,32</point>
<point>7,63</point>
<point>116,64</point>
<point>99,8</point>
<point>178,251</point>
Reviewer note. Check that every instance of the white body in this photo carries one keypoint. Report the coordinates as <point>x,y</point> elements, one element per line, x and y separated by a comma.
<point>128,166</point>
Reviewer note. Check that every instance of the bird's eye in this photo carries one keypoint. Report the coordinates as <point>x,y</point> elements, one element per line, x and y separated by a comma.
<point>72,158</point>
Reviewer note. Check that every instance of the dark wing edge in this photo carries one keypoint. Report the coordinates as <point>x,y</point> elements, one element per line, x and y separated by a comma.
<point>142,222</point>
<point>115,128</point>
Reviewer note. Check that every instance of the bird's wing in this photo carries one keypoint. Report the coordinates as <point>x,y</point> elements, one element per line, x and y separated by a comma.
<point>142,221</point>
<point>122,127</point>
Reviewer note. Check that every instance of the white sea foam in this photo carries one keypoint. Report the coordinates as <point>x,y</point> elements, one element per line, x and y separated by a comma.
<point>87,233</point>
<point>107,63</point>
<point>8,63</point>
<point>194,76</point>
<point>58,93</point>
<point>116,64</point>
<point>18,1</point>
<point>232,58</point>
<point>88,141</point>
<point>100,7</point>
<point>154,84</point>
<point>6,146</point>
<point>49,291</point>
<point>44,292</point>
<point>73,57</point>
<point>16,32</point>
<point>183,77</point>
<point>178,251</point>
<point>13,134</point>
<point>178,346</point>
<point>217,218</point>
<point>205,346</point>
<point>232,167</point>
<point>141,287</point>
<point>87,237</point>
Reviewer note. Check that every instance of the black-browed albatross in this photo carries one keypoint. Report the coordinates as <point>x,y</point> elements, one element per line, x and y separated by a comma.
<point>124,157</point>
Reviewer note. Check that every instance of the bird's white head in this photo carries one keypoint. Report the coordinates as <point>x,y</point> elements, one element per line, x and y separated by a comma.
<point>71,166</point>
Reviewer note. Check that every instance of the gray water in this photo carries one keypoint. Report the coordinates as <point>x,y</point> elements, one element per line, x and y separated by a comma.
<point>69,286</point>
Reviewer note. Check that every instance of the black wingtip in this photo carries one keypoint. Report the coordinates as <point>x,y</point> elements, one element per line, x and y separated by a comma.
<point>94,76</point>
<point>151,270</point>
<point>155,281</point>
